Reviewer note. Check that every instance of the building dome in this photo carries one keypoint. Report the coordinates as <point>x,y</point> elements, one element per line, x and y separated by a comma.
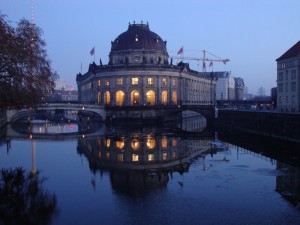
<point>138,45</point>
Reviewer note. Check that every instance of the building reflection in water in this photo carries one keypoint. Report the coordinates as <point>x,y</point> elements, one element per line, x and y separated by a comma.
<point>141,159</point>
<point>288,182</point>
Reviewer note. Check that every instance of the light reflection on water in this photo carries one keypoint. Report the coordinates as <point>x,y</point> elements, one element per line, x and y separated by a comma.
<point>155,176</point>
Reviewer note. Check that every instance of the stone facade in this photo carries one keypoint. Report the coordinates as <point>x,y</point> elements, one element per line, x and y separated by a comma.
<point>139,74</point>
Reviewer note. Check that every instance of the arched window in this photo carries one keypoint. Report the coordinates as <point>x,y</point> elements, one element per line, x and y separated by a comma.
<point>174,97</point>
<point>119,98</point>
<point>135,144</point>
<point>107,98</point>
<point>135,97</point>
<point>99,98</point>
<point>164,97</point>
<point>150,142</point>
<point>150,97</point>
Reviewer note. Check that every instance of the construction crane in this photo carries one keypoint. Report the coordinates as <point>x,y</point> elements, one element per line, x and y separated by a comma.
<point>203,59</point>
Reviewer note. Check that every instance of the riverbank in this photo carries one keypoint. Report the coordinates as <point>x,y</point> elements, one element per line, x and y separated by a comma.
<point>282,126</point>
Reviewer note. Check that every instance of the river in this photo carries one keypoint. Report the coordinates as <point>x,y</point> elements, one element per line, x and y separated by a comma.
<point>155,175</point>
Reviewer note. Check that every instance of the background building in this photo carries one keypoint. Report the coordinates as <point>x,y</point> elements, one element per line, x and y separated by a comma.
<point>288,80</point>
<point>225,88</point>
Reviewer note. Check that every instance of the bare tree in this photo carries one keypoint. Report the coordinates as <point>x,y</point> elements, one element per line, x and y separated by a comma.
<point>26,75</point>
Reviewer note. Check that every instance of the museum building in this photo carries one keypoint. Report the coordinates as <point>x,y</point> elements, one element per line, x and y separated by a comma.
<point>140,73</point>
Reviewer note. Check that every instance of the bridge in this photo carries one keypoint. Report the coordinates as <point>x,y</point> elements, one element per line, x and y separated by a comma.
<point>13,115</point>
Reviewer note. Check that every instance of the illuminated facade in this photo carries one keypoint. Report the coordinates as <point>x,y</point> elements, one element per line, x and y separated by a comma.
<point>139,74</point>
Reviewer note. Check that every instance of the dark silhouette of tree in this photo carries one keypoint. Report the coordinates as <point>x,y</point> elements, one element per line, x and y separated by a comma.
<point>25,70</point>
<point>23,200</point>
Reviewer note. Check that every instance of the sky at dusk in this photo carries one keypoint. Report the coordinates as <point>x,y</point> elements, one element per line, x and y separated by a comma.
<point>251,34</point>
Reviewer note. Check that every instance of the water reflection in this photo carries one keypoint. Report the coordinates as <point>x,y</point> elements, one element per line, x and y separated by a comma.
<point>192,121</point>
<point>141,159</point>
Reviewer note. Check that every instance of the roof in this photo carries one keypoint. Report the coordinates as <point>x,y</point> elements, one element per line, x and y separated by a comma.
<point>138,37</point>
<point>291,53</point>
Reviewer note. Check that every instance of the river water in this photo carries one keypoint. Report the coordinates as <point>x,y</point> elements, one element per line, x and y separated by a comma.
<point>153,175</point>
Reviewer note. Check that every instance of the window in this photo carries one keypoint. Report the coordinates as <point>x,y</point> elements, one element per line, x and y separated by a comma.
<point>150,81</point>
<point>119,98</point>
<point>164,97</point>
<point>174,97</point>
<point>120,144</point>
<point>174,82</point>
<point>286,75</point>
<point>150,157</point>
<point>107,98</point>
<point>287,99</point>
<point>135,144</point>
<point>293,86</point>
<point>164,82</point>
<point>135,97</point>
<point>150,142</point>
<point>119,81</point>
<point>293,74</point>
<point>287,87</point>
<point>135,157</point>
<point>99,97</point>
<point>134,81</point>
<point>280,76</point>
<point>164,142</point>
<point>107,82</point>
<point>99,83</point>
<point>150,97</point>
<point>293,99</point>
<point>280,87</point>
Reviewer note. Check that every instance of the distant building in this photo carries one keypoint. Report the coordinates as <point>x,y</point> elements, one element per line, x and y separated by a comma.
<point>261,91</point>
<point>62,93</point>
<point>225,88</point>
<point>239,88</point>
<point>288,80</point>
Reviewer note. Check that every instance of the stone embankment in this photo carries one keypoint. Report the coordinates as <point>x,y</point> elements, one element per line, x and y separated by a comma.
<point>285,126</point>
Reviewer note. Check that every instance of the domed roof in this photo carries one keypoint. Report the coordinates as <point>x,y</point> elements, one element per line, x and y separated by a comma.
<point>138,37</point>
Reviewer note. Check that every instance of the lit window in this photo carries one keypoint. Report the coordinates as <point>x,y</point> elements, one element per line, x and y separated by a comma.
<point>99,155</point>
<point>135,157</point>
<point>136,38</point>
<point>174,81</point>
<point>150,97</point>
<point>164,82</point>
<point>107,142</point>
<point>164,97</point>
<point>135,144</point>
<point>119,98</point>
<point>164,142</point>
<point>107,98</point>
<point>120,157</point>
<point>107,82</point>
<point>99,82</point>
<point>107,155</point>
<point>150,81</point>
<point>134,81</point>
<point>150,142</point>
<point>174,142</point>
<point>120,144</point>
<point>165,156</point>
<point>135,97</point>
<point>174,97</point>
<point>150,157</point>
<point>120,81</point>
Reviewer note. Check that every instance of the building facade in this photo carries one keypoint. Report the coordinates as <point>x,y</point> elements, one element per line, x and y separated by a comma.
<point>140,73</point>
<point>239,88</point>
<point>225,87</point>
<point>288,80</point>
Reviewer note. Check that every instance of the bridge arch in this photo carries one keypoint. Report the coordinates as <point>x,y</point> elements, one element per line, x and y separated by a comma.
<point>14,115</point>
